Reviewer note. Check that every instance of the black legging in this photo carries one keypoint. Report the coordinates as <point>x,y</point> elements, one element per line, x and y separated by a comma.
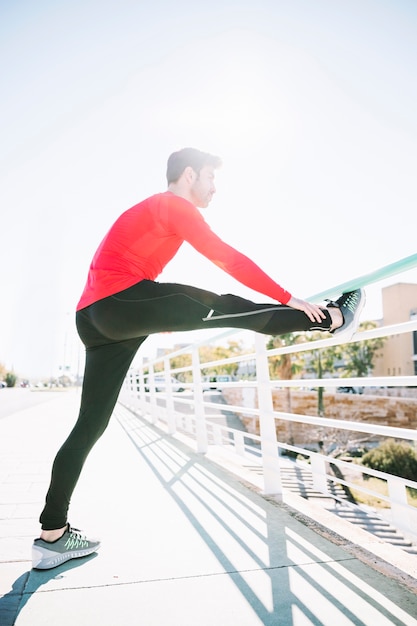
<point>112,330</point>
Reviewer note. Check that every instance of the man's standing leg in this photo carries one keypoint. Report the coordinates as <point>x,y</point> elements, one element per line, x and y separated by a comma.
<point>105,370</point>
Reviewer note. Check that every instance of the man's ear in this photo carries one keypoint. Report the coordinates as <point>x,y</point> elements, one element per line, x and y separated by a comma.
<point>189,174</point>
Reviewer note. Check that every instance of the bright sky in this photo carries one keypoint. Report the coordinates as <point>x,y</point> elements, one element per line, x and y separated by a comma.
<point>311,105</point>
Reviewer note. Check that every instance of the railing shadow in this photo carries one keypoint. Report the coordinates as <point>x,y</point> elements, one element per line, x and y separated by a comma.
<point>287,573</point>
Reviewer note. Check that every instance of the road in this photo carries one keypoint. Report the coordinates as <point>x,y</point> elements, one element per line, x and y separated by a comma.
<point>15,399</point>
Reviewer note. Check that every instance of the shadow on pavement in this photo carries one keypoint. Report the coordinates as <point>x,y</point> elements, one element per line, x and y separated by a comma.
<point>283,569</point>
<point>16,599</point>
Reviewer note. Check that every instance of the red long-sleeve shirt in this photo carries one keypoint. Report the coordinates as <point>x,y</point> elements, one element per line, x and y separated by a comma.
<point>146,237</point>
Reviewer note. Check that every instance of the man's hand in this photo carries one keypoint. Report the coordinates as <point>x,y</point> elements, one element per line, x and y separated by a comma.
<point>313,311</point>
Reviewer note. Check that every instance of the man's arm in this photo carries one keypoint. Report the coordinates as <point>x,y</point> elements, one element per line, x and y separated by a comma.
<point>192,227</point>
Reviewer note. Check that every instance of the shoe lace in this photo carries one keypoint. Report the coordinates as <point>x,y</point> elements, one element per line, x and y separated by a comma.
<point>350,301</point>
<point>75,539</point>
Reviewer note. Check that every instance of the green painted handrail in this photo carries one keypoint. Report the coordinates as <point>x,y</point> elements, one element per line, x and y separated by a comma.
<point>403,265</point>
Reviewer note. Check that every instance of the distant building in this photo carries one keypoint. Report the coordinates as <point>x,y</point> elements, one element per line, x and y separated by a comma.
<point>399,354</point>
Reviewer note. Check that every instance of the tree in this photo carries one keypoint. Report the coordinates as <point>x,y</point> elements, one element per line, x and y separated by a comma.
<point>182,360</point>
<point>394,458</point>
<point>10,379</point>
<point>285,366</point>
<point>355,359</point>
<point>207,354</point>
<point>217,353</point>
<point>359,356</point>
<point>322,361</point>
<point>3,371</point>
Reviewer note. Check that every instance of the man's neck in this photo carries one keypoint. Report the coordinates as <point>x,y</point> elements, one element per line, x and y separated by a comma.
<point>180,190</point>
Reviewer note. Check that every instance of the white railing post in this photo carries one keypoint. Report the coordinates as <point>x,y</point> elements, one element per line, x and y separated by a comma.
<point>268,433</point>
<point>398,499</point>
<point>140,388</point>
<point>200,418</point>
<point>239,441</point>
<point>130,383</point>
<point>151,385</point>
<point>169,398</point>
<point>217,435</point>
<point>128,390</point>
<point>318,470</point>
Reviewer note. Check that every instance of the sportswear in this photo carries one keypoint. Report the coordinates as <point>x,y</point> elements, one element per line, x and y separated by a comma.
<point>350,304</point>
<point>72,545</point>
<point>147,236</point>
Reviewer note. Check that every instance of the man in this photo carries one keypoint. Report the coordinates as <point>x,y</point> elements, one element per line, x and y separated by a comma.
<point>122,304</point>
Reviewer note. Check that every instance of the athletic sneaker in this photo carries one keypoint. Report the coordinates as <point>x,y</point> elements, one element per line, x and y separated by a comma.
<point>72,545</point>
<point>351,305</point>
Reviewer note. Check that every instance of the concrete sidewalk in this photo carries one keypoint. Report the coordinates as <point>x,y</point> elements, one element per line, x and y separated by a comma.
<point>184,542</point>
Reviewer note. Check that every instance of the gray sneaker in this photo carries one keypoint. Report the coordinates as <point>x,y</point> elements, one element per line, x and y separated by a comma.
<point>350,305</point>
<point>72,545</point>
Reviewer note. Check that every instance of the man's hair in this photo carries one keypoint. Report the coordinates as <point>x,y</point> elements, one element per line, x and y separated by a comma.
<point>189,157</point>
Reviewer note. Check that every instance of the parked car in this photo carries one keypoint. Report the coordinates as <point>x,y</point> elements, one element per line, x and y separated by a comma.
<point>215,383</point>
<point>2,384</point>
<point>349,389</point>
<point>161,384</point>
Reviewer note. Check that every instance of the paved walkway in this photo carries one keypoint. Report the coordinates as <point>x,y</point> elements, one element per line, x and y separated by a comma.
<point>184,542</point>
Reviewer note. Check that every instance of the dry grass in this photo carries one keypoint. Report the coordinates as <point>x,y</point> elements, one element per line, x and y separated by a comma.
<point>378,486</point>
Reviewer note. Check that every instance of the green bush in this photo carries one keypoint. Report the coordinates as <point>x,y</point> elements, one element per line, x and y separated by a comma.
<point>394,458</point>
<point>10,379</point>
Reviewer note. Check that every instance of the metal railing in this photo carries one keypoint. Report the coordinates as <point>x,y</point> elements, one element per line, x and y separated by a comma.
<point>193,414</point>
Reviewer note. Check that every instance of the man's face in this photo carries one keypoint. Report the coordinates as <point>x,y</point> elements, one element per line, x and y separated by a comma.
<point>202,188</point>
